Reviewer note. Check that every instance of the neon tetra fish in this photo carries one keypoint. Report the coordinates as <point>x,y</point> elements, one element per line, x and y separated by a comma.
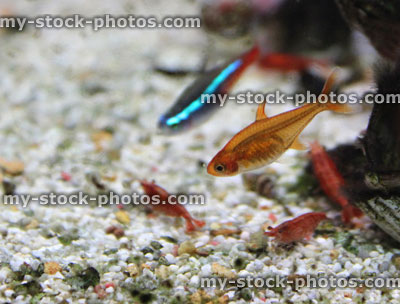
<point>189,110</point>
<point>266,139</point>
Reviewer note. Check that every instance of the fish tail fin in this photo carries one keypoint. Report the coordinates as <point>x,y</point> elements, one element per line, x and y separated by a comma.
<point>324,100</point>
<point>339,108</point>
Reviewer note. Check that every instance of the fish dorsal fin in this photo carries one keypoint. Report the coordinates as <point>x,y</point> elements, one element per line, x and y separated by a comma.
<point>261,112</point>
<point>298,145</point>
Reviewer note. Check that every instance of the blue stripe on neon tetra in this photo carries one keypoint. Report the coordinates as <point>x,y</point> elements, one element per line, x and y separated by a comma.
<point>188,109</point>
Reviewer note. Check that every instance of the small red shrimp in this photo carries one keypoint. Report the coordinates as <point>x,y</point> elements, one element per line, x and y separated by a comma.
<point>331,181</point>
<point>177,210</point>
<point>296,229</point>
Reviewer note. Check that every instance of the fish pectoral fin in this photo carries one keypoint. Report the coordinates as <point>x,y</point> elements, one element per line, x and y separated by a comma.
<point>261,112</point>
<point>298,145</point>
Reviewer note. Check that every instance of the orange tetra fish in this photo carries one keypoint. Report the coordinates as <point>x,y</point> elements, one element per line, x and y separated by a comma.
<point>297,229</point>
<point>266,139</point>
<point>177,210</point>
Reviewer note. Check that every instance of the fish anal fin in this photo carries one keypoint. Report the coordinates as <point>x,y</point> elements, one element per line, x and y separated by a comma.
<point>261,112</point>
<point>298,145</point>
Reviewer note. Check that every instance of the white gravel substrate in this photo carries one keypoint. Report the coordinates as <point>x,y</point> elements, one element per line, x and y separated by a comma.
<point>59,91</point>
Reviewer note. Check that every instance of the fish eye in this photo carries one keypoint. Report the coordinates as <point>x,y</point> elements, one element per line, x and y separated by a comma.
<point>219,168</point>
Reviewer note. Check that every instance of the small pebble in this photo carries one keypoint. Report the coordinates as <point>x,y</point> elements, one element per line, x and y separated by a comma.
<point>12,167</point>
<point>133,270</point>
<point>122,217</point>
<point>52,268</point>
<point>187,247</point>
<point>222,271</point>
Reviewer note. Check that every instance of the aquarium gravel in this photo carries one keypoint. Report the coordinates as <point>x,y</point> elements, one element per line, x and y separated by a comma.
<point>79,111</point>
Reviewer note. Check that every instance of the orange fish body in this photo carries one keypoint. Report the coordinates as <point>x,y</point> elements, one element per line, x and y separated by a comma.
<point>177,210</point>
<point>331,181</point>
<point>266,139</point>
<point>297,229</point>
